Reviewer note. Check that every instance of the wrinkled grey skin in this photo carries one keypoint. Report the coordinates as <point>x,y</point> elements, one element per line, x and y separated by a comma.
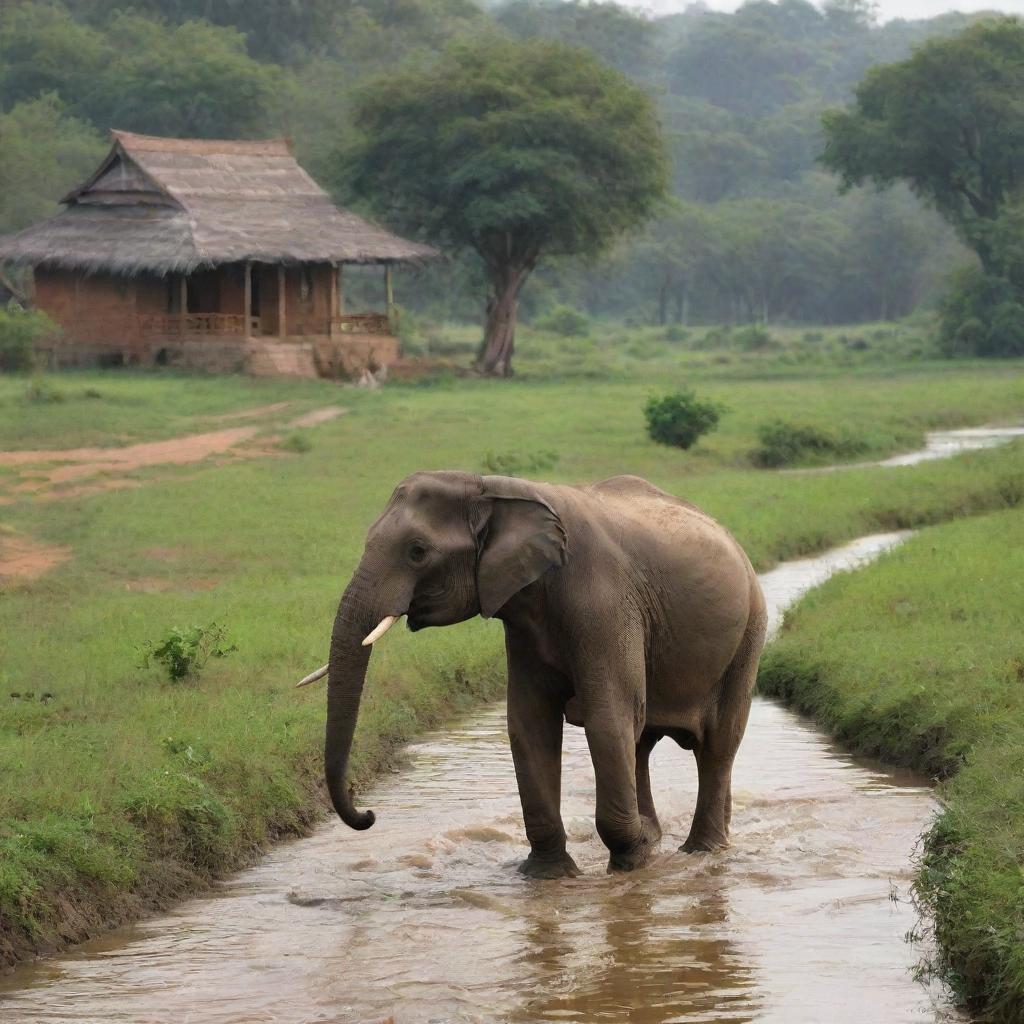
<point>626,611</point>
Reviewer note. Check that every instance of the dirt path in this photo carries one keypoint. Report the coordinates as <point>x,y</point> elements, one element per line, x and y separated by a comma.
<point>176,450</point>
<point>22,558</point>
<point>58,473</point>
<point>250,414</point>
<point>318,416</point>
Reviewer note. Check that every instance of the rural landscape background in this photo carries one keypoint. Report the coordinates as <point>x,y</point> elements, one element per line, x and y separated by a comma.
<point>824,320</point>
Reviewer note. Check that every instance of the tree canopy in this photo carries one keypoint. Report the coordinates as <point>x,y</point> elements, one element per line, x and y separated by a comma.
<point>738,95</point>
<point>949,121</point>
<point>515,151</point>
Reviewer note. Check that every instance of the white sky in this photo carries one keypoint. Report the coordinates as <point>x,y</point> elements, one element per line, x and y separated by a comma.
<point>886,8</point>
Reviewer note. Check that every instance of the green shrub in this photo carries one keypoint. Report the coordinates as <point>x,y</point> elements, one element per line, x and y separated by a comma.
<point>982,315</point>
<point>20,329</point>
<point>676,332</point>
<point>784,443</point>
<point>564,320</point>
<point>717,337</point>
<point>297,441</point>
<point>517,464</point>
<point>184,653</point>
<point>680,418</point>
<point>41,392</point>
<point>754,338</point>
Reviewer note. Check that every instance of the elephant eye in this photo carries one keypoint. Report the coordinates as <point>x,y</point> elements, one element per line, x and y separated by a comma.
<point>417,551</point>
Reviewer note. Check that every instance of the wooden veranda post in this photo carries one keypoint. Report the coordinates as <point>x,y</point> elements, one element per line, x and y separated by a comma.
<point>282,311</point>
<point>389,291</point>
<point>341,290</point>
<point>182,303</point>
<point>332,316</point>
<point>247,302</point>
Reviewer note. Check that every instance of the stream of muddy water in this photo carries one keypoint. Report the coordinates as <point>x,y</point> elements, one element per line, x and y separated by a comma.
<point>424,919</point>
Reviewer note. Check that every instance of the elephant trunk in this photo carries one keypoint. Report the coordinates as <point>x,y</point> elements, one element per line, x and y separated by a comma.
<point>345,678</point>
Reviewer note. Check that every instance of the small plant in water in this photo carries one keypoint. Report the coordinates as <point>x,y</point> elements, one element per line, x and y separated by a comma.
<point>183,653</point>
<point>680,418</point>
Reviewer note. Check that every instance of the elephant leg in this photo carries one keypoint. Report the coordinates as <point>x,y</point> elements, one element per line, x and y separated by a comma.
<point>535,702</point>
<point>630,838</point>
<point>716,749</point>
<point>611,693</point>
<point>710,827</point>
<point>644,800</point>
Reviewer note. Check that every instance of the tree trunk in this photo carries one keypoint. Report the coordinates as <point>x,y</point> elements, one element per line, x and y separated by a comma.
<point>682,303</point>
<point>495,356</point>
<point>663,304</point>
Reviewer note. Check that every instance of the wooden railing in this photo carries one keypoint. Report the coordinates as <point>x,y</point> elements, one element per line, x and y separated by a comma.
<point>196,324</point>
<point>361,323</point>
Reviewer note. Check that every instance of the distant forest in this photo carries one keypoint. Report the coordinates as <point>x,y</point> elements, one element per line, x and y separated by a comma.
<point>756,229</point>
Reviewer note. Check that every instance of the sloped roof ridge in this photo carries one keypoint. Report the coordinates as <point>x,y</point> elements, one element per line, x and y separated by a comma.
<point>132,141</point>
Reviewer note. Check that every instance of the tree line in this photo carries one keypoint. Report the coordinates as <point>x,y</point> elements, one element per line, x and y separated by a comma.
<point>750,225</point>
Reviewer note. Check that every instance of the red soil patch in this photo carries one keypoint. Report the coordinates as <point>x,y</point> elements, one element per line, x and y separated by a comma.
<point>248,414</point>
<point>47,470</point>
<point>176,451</point>
<point>317,416</point>
<point>23,559</point>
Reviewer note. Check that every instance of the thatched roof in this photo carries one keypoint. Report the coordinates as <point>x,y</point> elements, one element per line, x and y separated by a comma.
<point>164,205</point>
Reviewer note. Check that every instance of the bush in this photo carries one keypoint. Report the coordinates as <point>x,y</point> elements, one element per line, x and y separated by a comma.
<point>41,392</point>
<point>680,418</point>
<point>676,332</point>
<point>184,653</point>
<point>20,329</point>
<point>516,464</point>
<point>717,337</point>
<point>564,320</point>
<point>297,441</point>
<point>784,443</point>
<point>753,338</point>
<point>982,315</point>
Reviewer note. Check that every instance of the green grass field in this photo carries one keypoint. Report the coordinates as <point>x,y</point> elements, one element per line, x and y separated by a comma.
<point>919,659</point>
<point>123,790</point>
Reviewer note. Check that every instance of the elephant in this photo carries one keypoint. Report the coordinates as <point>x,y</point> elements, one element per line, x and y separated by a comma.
<point>626,611</point>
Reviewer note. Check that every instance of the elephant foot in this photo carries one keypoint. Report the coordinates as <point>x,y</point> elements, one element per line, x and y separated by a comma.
<point>561,865</point>
<point>637,855</point>
<point>703,844</point>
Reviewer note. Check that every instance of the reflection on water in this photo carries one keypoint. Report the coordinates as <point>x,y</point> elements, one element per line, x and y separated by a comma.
<point>424,918</point>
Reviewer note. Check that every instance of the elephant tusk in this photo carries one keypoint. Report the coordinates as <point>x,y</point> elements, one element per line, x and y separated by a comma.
<point>312,677</point>
<point>383,626</point>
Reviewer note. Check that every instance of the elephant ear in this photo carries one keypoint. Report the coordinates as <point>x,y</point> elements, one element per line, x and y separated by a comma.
<point>519,537</point>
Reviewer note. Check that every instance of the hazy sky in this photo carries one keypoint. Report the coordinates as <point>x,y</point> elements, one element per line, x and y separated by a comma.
<point>886,8</point>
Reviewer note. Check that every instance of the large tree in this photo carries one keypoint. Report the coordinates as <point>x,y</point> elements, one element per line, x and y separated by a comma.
<point>950,122</point>
<point>515,151</point>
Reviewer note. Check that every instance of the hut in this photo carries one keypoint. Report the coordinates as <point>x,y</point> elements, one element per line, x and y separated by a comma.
<point>217,254</point>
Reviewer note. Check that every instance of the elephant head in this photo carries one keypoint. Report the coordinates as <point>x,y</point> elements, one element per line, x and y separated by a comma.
<point>447,547</point>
